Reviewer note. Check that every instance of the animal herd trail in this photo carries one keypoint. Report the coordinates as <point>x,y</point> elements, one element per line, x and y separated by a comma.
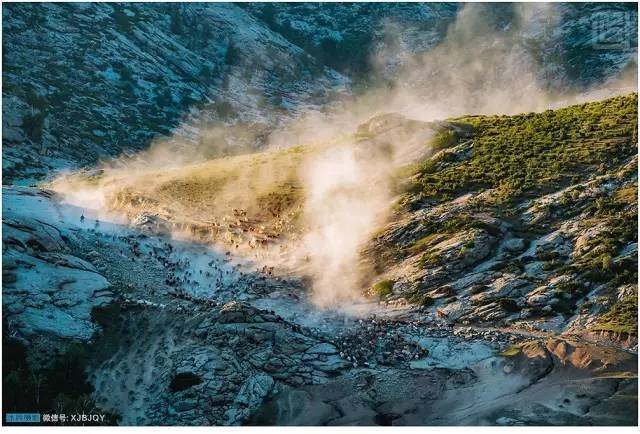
<point>154,335</point>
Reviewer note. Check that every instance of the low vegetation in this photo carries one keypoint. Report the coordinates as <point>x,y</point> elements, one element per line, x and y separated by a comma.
<point>621,318</point>
<point>383,288</point>
<point>511,351</point>
<point>618,213</point>
<point>505,166</point>
<point>419,298</point>
<point>522,154</point>
<point>444,139</point>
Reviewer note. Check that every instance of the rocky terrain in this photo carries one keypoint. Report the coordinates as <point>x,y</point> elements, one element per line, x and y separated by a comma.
<point>555,250</point>
<point>521,293</point>
<point>481,269</point>
<point>84,82</point>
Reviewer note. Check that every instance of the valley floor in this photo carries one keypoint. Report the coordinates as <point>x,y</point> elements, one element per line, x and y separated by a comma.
<point>183,334</point>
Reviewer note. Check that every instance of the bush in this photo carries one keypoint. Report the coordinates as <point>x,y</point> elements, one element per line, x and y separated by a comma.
<point>33,125</point>
<point>444,139</point>
<point>420,298</point>
<point>430,260</point>
<point>61,388</point>
<point>621,318</point>
<point>383,288</point>
<point>520,154</point>
<point>607,261</point>
<point>67,375</point>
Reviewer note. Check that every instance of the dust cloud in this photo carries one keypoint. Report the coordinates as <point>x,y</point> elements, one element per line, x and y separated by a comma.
<point>493,60</point>
<point>347,195</point>
<point>485,64</point>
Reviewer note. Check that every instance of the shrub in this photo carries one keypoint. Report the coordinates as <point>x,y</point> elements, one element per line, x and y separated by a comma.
<point>33,124</point>
<point>383,288</point>
<point>419,298</point>
<point>517,155</point>
<point>60,388</point>
<point>443,139</point>
<point>621,318</point>
<point>430,260</point>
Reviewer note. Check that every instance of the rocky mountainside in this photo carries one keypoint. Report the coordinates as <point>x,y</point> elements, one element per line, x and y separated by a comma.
<point>479,269</point>
<point>88,81</point>
<point>161,346</point>
<point>507,270</point>
<point>530,218</point>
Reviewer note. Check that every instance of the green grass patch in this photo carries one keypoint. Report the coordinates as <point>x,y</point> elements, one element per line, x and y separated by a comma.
<point>422,244</point>
<point>621,318</point>
<point>430,259</point>
<point>383,288</point>
<point>521,154</point>
<point>444,139</point>
<point>419,298</point>
<point>511,351</point>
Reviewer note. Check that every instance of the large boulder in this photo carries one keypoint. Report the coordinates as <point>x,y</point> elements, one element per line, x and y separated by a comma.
<point>47,291</point>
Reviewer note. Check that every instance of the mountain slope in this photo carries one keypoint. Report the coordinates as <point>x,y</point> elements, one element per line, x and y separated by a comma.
<point>531,218</point>
<point>504,299</point>
<point>86,82</point>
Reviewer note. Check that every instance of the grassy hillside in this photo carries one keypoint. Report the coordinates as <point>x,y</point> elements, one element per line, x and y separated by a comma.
<point>536,152</point>
<point>542,204</point>
<point>532,215</point>
<point>266,183</point>
<point>242,199</point>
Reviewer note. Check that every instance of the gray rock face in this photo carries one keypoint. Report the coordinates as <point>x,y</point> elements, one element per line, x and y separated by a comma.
<point>323,348</point>
<point>514,245</point>
<point>250,397</point>
<point>46,290</point>
<point>540,297</point>
<point>505,286</point>
<point>555,243</point>
<point>111,78</point>
<point>238,362</point>
<point>464,249</point>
